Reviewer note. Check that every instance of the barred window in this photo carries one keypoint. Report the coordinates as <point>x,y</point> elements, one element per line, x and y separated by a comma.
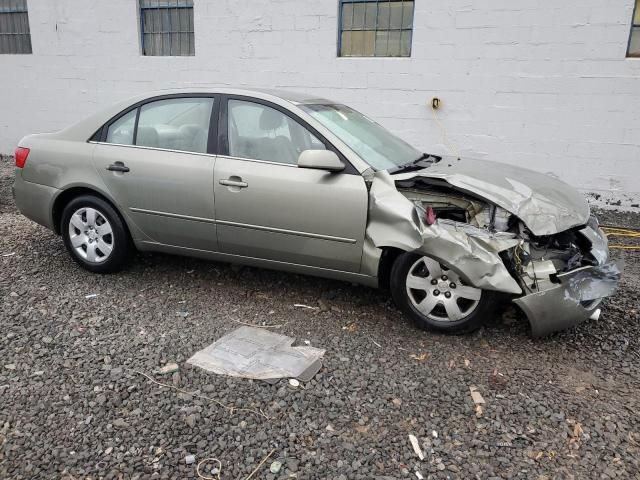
<point>634,39</point>
<point>14,27</point>
<point>375,28</point>
<point>167,27</point>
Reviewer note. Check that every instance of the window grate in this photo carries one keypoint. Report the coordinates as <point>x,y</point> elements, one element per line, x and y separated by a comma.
<point>166,27</point>
<point>375,28</point>
<point>15,37</point>
<point>633,50</point>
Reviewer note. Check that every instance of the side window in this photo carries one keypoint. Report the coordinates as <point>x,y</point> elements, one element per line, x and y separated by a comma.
<point>121,131</point>
<point>259,132</point>
<point>175,124</point>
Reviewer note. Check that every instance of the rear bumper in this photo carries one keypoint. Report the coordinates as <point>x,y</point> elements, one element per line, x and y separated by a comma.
<point>572,301</point>
<point>34,201</point>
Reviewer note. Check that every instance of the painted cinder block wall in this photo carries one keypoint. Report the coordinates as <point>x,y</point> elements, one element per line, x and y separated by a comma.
<point>541,84</point>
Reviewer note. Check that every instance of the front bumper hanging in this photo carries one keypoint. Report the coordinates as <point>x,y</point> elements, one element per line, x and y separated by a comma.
<point>571,301</point>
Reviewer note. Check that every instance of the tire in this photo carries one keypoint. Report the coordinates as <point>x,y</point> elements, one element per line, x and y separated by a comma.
<point>432,306</point>
<point>94,234</point>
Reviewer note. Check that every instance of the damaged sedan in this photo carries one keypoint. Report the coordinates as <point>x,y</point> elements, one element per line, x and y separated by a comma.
<point>292,182</point>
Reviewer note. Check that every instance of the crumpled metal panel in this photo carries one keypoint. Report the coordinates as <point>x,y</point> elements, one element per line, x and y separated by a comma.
<point>394,221</point>
<point>549,311</point>
<point>592,283</point>
<point>545,204</point>
<point>256,353</point>
<point>563,305</point>
<point>599,243</point>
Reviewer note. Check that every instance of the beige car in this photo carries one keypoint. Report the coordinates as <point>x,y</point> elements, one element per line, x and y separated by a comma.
<point>285,181</point>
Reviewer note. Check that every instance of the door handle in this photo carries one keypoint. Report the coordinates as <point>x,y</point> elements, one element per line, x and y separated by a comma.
<point>118,167</point>
<point>234,183</point>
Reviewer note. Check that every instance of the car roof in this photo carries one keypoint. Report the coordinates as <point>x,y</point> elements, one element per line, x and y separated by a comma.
<point>86,127</point>
<point>296,98</point>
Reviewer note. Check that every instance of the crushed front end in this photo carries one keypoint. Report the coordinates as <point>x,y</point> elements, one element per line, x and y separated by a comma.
<point>558,275</point>
<point>564,276</point>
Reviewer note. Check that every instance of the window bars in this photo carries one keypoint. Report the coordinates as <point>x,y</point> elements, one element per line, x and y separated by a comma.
<point>15,37</point>
<point>166,27</point>
<point>375,28</point>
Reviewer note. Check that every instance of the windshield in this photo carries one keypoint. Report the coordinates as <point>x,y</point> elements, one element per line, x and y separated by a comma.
<point>373,143</point>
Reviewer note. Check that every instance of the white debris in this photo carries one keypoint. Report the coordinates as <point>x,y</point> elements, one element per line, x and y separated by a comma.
<point>169,368</point>
<point>91,295</point>
<point>302,305</point>
<point>434,434</point>
<point>419,475</point>
<point>476,396</point>
<point>477,399</point>
<point>416,446</point>
<point>9,254</point>
<point>275,467</point>
<point>294,383</point>
<point>190,459</point>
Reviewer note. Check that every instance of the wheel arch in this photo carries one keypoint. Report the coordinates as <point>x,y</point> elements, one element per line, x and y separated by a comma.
<point>387,258</point>
<point>68,194</point>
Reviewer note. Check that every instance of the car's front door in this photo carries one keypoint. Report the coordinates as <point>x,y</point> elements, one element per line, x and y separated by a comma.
<point>154,161</point>
<point>268,208</point>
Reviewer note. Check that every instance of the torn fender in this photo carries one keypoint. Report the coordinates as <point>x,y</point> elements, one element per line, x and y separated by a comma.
<point>394,221</point>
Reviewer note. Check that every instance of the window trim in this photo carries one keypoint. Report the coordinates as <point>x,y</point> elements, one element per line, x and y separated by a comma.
<point>340,29</point>
<point>633,25</point>
<point>141,10</point>
<point>100,136</point>
<point>217,143</point>
<point>223,133</point>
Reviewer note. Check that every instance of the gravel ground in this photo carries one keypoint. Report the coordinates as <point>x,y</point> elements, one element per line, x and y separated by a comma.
<point>72,405</point>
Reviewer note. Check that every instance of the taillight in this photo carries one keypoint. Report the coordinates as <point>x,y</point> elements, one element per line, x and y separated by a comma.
<point>21,156</point>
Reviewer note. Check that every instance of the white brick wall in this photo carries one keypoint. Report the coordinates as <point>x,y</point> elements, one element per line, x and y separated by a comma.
<point>543,84</point>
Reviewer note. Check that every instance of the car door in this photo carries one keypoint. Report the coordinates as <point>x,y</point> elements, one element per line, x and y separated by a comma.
<point>154,161</point>
<point>268,208</point>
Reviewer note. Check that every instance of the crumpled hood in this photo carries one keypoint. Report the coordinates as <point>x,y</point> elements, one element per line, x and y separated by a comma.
<point>545,204</point>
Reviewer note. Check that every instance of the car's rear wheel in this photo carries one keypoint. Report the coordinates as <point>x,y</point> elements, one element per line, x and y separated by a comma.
<point>95,235</point>
<point>437,298</point>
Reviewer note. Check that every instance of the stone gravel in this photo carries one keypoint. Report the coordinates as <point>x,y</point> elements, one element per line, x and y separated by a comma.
<point>74,403</point>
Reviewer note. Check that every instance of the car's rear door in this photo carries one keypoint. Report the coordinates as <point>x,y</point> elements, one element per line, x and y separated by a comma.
<point>268,208</point>
<point>157,162</point>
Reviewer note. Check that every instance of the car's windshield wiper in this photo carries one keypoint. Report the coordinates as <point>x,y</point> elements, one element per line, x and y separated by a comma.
<point>423,161</point>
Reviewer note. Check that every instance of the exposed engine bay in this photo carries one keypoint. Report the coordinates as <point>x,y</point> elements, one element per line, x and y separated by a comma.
<point>552,260</point>
<point>534,259</point>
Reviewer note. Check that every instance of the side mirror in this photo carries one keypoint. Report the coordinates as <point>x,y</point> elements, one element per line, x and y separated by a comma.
<point>320,160</point>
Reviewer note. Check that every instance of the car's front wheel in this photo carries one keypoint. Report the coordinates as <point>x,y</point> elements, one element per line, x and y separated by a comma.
<point>436,298</point>
<point>95,235</point>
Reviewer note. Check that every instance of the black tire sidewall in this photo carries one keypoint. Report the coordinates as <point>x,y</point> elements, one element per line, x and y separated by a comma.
<point>121,239</point>
<point>399,273</point>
